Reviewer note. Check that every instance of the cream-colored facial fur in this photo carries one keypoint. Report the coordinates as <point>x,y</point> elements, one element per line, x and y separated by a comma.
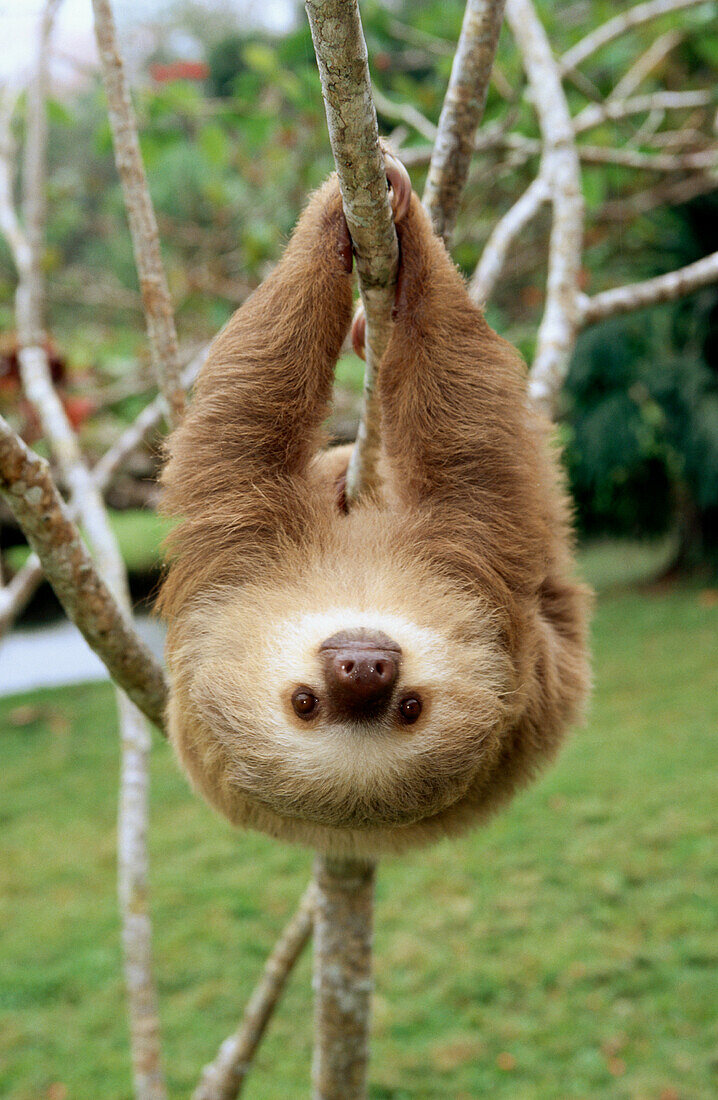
<point>241,658</point>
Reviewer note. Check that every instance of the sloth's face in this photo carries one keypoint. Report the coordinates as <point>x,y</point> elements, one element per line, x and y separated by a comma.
<point>346,717</point>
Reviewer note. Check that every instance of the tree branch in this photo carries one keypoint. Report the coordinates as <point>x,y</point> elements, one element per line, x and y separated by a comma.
<point>505,232</point>
<point>9,222</point>
<point>614,109</point>
<point>645,64</point>
<point>405,112</point>
<point>650,162</point>
<point>223,1078</point>
<point>593,115</point>
<point>140,214</point>
<point>342,977</point>
<point>462,112</point>
<point>151,416</point>
<point>633,17</point>
<point>669,192</point>
<point>561,170</point>
<point>351,118</point>
<point>27,486</point>
<point>664,288</point>
<point>18,592</point>
<point>343,951</point>
<point>31,290</point>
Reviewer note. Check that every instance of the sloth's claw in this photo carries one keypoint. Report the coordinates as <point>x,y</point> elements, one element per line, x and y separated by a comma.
<point>399,185</point>
<point>345,248</point>
<point>359,332</point>
<point>400,197</point>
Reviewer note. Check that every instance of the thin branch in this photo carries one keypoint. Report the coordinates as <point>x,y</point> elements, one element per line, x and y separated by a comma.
<point>561,169</point>
<point>404,112</point>
<point>351,118</point>
<point>701,161</point>
<point>496,249</point>
<point>151,416</point>
<point>613,109</point>
<point>133,894</point>
<point>582,83</point>
<point>525,208</point>
<point>462,112</point>
<point>645,64</point>
<point>31,290</point>
<point>497,137</point>
<point>140,214</point>
<point>27,486</point>
<point>422,39</point>
<point>664,288</point>
<point>18,592</point>
<point>633,17</point>
<point>223,1078</point>
<point>688,137</point>
<point>648,129</point>
<point>87,288</point>
<point>9,222</point>
<point>524,148</point>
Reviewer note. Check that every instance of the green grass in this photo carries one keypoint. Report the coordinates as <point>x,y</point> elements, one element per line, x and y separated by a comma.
<point>610,565</point>
<point>568,950</point>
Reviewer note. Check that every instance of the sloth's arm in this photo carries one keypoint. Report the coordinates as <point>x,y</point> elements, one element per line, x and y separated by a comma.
<point>263,392</point>
<point>238,464</point>
<point>460,442</point>
<point>453,392</point>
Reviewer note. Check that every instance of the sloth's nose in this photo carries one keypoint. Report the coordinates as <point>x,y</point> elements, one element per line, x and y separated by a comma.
<point>360,672</point>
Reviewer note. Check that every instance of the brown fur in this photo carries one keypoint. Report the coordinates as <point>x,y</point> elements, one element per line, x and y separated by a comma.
<point>466,564</point>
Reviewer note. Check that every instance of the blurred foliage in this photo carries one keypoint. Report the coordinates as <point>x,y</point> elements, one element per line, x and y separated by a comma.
<point>230,164</point>
<point>641,404</point>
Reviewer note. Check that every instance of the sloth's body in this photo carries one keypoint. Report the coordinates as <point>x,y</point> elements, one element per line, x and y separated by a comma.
<point>367,682</point>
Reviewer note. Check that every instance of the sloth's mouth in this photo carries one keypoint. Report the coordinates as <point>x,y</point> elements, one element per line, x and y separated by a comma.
<point>411,802</point>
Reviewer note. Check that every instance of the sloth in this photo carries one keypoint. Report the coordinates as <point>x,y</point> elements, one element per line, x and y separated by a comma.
<point>367,680</point>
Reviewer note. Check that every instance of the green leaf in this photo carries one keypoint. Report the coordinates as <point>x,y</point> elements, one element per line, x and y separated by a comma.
<point>214,143</point>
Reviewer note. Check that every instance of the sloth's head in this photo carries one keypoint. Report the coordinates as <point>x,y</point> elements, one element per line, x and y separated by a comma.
<point>344,717</point>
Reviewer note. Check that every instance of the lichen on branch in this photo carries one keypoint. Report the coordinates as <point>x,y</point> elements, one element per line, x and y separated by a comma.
<point>27,486</point>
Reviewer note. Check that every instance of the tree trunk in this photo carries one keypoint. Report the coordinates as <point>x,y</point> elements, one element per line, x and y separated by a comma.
<point>342,977</point>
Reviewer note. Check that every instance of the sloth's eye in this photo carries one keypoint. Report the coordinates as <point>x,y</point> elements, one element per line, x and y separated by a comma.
<point>304,703</point>
<point>410,709</point>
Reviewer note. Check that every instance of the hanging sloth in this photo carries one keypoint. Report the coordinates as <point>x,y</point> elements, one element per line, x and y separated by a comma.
<point>368,681</point>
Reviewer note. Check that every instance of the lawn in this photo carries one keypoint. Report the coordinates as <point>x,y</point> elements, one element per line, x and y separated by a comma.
<point>568,950</point>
